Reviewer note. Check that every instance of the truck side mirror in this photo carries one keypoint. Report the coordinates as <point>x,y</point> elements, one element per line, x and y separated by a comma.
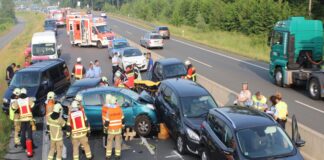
<point>300,143</point>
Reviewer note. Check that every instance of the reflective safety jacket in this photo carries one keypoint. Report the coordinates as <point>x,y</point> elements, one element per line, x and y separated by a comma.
<point>113,114</point>
<point>130,80</point>
<point>191,74</point>
<point>281,110</point>
<point>260,105</point>
<point>78,71</point>
<point>25,112</point>
<point>119,83</point>
<point>77,122</point>
<point>55,128</point>
<point>49,107</point>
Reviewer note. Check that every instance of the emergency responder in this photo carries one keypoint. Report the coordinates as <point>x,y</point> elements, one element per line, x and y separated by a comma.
<point>79,129</point>
<point>259,102</point>
<point>24,105</point>
<point>78,70</point>
<point>14,116</point>
<point>191,71</point>
<point>281,113</point>
<point>115,63</point>
<point>130,76</point>
<point>118,81</point>
<point>55,124</point>
<point>50,102</point>
<point>104,81</point>
<point>113,116</point>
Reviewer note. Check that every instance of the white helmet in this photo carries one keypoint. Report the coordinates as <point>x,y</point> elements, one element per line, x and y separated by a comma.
<point>50,95</point>
<point>104,79</point>
<point>16,91</point>
<point>118,74</point>
<point>187,62</point>
<point>23,91</point>
<point>78,97</point>
<point>79,59</point>
<point>75,104</point>
<point>57,108</point>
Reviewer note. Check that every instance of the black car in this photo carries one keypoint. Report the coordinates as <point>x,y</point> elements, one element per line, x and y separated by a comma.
<point>39,79</point>
<point>50,25</point>
<point>168,68</point>
<point>242,133</point>
<point>183,105</point>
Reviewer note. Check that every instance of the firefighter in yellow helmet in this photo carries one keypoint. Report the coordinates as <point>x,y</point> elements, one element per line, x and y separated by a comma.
<point>50,102</point>
<point>14,115</point>
<point>55,124</point>
<point>113,122</point>
<point>79,129</point>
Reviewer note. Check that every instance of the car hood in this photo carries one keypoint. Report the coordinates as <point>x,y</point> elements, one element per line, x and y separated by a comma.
<point>31,91</point>
<point>194,123</point>
<point>136,59</point>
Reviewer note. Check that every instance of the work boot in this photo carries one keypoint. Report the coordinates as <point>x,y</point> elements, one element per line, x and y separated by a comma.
<point>108,158</point>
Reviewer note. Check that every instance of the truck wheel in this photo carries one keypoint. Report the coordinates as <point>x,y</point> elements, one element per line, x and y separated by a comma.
<point>314,89</point>
<point>143,125</point>
<point>99,45</point>
<point>278,77</point>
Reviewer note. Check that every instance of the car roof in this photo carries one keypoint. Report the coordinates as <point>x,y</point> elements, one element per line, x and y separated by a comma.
<point>86,82</point>
<point>43,65</point>
<point>44,37</point>
<point>185,88</point>
<point>244,117</point>
<point>100,89</point>
<point>169,61</point>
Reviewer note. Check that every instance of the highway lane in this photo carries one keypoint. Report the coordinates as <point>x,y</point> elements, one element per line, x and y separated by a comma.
<point>15,31</point>
<point>230,71</point>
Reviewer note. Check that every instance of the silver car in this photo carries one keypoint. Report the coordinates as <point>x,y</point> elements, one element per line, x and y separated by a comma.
<point>152,40</point>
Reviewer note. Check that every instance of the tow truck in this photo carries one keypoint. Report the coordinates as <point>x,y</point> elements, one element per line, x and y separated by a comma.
<point>296,56</point>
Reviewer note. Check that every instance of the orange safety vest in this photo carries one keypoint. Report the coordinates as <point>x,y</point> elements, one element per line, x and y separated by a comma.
<point>49,106</point>
<point>191,74</point>
<point>77,121</point>
<point>24,108</point>
<point>113,114</point>
<point>78,71</point>
<point>130,80</point>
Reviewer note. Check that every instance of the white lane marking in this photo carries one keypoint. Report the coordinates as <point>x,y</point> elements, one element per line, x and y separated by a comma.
<point>144,141</point>
<point>201,62</point>
<point>45,141</point>
<point>207,50</point>
<point>309,106</point>
<point>129,33</point>
<point>175,152</point>
<point>171,156</point>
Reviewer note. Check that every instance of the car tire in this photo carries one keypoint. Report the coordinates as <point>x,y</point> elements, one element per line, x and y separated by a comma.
<point>314,89</point>
<point>99,45</point>
<point>278,77</point>
<point>143,125</point>
<point>181,145</point>
<point>204,155</point>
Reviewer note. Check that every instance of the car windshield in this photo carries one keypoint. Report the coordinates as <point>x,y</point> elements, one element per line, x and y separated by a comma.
<point>164,28</point>
<point>264,141</point>
<point>102,29</point>
<point>132,53</point>
<point>119,45</point>
<point>130,93</point>
<point>72,91</point>
<point>43,49</point>
<point>25,79</point>
<point>50,23</point>
<point>195,107</point>
<point>175,70</point>
<point>156,37</point>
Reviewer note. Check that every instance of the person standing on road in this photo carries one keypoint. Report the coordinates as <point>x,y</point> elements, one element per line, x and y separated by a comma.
<point>90,72</point>
<point>55,124</point>
<point>149,65</point>
<point>79,129</point>
<point>191,71</point>
<point>115,63</point>
<point>112,116</point>
<point>24,105</point>
<point>118,82</point>
<point>244,98</point>
<point>17,68</point>
<point>272,109</point>
<point>97,69</point>
<point>50,102</point>
<point>130,77</point>
<point>281,113</point>
<point>14,116</point>
<point>10,71</point>
<point>78,70</point>
<point>259,102</point>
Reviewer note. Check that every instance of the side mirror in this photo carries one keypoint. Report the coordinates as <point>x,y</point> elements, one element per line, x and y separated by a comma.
<point>45,83</point>
<point>125,105</point>
<point>300,143</point>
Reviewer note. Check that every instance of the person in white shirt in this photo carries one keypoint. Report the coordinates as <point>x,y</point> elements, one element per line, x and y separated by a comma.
<point>244,98</point>
<point>115,63</point>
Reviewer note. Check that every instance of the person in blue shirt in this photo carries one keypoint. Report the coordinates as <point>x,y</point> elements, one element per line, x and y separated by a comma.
<point>97,69</point>
<point>90,72</point>
<point>149,65</point>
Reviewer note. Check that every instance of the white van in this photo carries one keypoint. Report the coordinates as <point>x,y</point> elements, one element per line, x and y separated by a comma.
<point>44,46</point>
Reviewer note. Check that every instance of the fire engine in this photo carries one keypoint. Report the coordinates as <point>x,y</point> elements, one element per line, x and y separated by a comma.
<point>59,16</point>
<point>90,31</point>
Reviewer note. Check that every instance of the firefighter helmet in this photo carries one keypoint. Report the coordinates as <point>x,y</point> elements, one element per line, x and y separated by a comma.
<point>57,108</point>
<point>79,59</point>
<point>118,74</point>
<point>104,79</point>
<point>16,91</point>
<point>112,100</point>
<point>23,91</point>
<point>78,97</point>
<point>187,62</point>
<point>50,95</point>
<point>75,104</point>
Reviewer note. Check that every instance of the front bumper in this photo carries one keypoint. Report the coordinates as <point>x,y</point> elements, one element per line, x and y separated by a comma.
<point>192,146</point>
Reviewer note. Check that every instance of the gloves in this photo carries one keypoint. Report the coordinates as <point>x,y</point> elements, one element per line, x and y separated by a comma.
<point>106,124</point>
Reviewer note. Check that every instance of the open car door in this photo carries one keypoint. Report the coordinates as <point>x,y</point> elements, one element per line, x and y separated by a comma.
<point>296,138</point>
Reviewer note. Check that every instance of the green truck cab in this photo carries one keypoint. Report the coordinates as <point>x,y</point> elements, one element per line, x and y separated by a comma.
<point>296,55</point>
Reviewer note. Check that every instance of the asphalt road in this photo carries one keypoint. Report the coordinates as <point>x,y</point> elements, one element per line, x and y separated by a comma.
<point>230,71</point>
<point>15,31</point>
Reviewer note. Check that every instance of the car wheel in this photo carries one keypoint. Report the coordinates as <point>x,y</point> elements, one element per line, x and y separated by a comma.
<point>41,110</point>
<point>181,145</point>
<point>204,155</point>
<point>143,125</point>
<point>278,77</point>
<point>314,89</point>
<point>99,45</point>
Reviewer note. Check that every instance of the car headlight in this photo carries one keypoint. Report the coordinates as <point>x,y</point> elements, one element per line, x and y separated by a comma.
<point>192,134</point>
<point>5,100</point>
<point>150,106</point>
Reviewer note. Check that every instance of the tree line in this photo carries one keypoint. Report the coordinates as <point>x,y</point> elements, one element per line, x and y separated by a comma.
<point>7,11</point>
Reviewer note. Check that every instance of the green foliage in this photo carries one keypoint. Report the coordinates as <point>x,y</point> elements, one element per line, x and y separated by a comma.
<point>201,25</point>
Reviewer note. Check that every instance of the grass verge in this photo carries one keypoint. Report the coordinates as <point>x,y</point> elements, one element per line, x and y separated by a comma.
<point>14,52</point>
<point>5,27</point>
<point>248,46</point>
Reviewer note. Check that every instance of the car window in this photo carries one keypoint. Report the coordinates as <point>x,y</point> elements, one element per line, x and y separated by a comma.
<point>156,37</point>
<point>121,99</point>
<point>175,70</point>
<point>92,100</point>
<point>277,38</point>
<point>223,132</point>
<point>55,74</point>
<point>197,106</point>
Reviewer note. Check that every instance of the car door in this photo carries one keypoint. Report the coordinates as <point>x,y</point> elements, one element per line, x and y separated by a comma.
<point>127,105</point>
<point>92,103</point>
<point>157,72</point>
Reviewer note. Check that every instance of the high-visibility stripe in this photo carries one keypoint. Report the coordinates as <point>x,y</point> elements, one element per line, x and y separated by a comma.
<point>115,124</point>
<point>112,121</point>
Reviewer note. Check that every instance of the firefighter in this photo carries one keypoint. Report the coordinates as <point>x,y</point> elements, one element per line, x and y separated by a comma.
<point>50,102</point>
<point>104,81</point>
<point>118,80</point>
<point>191,71</point>
<point>14,115</point>
<point>130,76</point>
<point>113,116</point>
<point>79,129</point>
<point>78,70</point>
<point>55,124</point>
<point>25,104</point>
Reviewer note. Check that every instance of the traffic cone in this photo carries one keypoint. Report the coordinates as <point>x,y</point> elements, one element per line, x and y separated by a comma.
<point>164,133</point>
<point>29,147</point>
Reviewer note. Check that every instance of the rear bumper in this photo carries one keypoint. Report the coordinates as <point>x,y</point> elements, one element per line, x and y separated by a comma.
<point>155,45</point>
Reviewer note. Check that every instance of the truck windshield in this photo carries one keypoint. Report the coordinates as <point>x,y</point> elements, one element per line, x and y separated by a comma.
<point>102,29</point>
<point>43,49</point>
<point>264,142</point>
<point>25,79</point>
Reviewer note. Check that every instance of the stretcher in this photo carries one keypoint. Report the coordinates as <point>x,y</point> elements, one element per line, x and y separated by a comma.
<point>146,85</point>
